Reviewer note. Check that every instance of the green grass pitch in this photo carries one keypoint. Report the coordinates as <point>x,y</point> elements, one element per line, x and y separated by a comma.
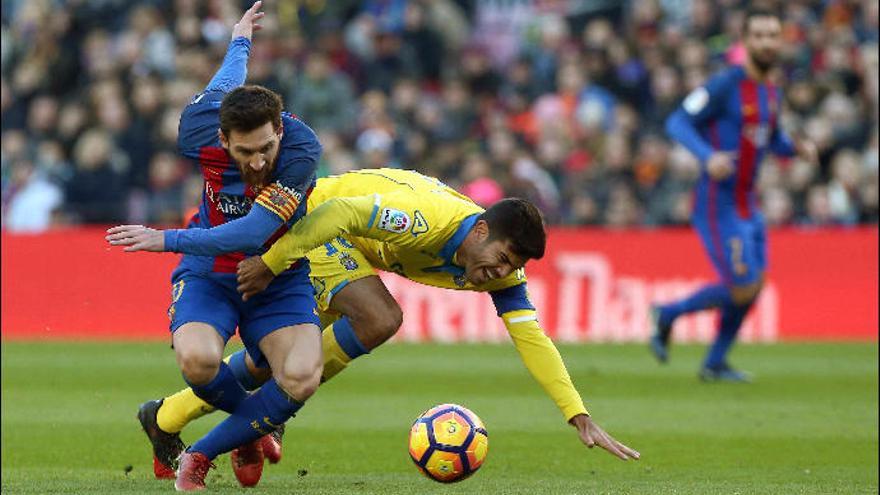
<point>808,425</point>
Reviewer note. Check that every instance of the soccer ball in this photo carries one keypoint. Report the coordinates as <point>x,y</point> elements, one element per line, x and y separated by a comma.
<point>448,443</point>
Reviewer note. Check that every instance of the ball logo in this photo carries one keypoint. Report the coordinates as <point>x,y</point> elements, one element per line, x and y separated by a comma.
<point>394,221</point>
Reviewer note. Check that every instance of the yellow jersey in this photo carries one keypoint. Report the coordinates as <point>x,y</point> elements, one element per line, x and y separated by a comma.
<point>417,223</point>
<point>411,224</point>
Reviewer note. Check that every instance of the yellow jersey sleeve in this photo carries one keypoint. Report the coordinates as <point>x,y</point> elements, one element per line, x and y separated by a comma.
<point>543,361</point>
<point>382,217</point>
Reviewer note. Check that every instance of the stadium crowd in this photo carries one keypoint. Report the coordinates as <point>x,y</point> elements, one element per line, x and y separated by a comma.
<point>561,102</point>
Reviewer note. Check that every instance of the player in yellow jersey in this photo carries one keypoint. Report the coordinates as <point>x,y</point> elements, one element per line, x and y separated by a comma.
<point>413,225</point>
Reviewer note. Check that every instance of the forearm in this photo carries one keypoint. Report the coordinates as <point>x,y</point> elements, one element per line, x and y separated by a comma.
<point>246,234</point>
<point>331,219</point>
<point>233,72</point>
<point>543,361</point>
<point>680,128</point>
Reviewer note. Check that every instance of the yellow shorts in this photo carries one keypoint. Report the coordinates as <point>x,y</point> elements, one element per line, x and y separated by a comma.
<point>334,265</point>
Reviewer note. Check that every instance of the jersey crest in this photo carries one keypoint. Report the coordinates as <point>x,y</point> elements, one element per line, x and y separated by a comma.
<point>348,262</point>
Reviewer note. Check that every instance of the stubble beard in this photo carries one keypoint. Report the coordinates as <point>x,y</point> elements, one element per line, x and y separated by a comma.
<point>763,64</point>
<point>256,179</point>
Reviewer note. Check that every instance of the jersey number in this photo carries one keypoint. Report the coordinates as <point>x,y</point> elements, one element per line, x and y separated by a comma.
<point>736,256</point>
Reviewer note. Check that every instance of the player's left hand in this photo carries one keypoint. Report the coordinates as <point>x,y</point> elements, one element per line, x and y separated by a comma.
<point>249,22</point>
<point>253,277</point>
<point>591,435</point>
<point>136,238</point>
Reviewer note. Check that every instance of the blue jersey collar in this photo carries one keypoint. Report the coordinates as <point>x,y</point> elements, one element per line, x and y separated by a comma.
<point>447,252</point>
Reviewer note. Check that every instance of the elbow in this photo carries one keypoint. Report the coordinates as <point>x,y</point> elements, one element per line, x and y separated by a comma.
<point>247,246</point>
<point>240,244</point>
<point>673,123</point>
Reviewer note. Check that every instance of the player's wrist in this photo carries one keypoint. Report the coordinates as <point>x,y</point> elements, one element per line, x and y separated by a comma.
<point>273,263</point>
<point>578,417</point>
<point>579,420</point>
<point>171,238</point>
<point>241,39</point>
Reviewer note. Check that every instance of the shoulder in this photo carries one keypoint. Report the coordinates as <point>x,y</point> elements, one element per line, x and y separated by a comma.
<point>512,297</point>
<point>296,132</point>
<point>300,148</point>
<point>717,87</point>
<point>203,106</point>
<point>200,121</point>
<point>511,286</point>
<point>726,78</point>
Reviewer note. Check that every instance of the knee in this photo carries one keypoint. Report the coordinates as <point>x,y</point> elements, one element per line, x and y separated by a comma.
<point>389,323</point>
<point>300,382</point>
<point>746,295</point>
<point>379,324</point>
<point>198,365</point>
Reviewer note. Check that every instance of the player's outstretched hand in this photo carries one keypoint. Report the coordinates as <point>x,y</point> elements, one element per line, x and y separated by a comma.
<point>591,434</point>
<point>720,165</point>
<point>253,277</point>
<point>248,23</point>
<point>136,238</point>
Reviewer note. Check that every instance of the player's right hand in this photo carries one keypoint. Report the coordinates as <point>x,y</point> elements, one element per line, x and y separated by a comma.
<point>592,434</point>
<point>136,238</point>
<point>248,23</point>
<point>253,277</point>
<point>720,165</point>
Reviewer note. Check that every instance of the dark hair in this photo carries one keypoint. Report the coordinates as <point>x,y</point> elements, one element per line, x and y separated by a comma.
<point>246,108</point>
<point>758,11</point>
<point>519,222</point>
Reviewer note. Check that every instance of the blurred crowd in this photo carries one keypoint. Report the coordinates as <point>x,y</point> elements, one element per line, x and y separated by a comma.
<point>562,102</point>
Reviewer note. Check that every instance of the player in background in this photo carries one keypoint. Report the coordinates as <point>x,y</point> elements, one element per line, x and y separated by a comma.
<point>259,166</point>
<point>404,222</point>
<point>729,124</point>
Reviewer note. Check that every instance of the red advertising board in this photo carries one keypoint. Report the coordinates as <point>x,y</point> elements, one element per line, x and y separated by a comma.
<point>593,285</point>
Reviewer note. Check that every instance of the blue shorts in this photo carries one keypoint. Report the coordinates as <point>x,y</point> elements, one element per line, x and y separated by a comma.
<point>213,299</point>
<point>737,247</point>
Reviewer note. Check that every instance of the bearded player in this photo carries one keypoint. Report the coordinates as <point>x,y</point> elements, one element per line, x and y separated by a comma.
<point>259,166</point>
<point>730,123</point>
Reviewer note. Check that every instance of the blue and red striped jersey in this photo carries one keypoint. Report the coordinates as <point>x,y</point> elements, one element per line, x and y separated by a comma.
<point>236,220</point>
<point>730,113</point>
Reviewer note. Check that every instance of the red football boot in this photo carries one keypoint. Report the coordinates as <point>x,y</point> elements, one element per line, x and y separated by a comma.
<point>272,445</point>
<point>161,471</point>
<point>247,463</point>
<point>166,446</point>
<point>191,471</point>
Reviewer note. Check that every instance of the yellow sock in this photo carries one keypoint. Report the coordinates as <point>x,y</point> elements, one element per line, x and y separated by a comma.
<point>179,409</point>
<point>335,359</point>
